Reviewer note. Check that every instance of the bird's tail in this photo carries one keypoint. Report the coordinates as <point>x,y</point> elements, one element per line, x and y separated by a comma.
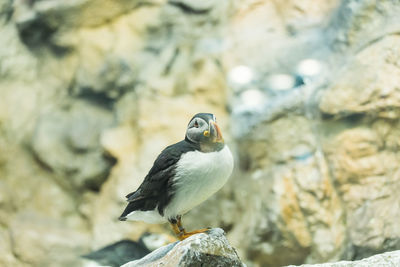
<point>132,206</point>
<point>122,218</point>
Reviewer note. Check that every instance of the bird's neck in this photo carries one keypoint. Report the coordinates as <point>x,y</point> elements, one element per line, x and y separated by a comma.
<point>206,147</point>
<point>211,147</point>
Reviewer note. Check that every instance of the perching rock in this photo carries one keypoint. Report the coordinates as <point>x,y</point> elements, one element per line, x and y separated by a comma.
<point>206,249</point>
<point>388,259</point>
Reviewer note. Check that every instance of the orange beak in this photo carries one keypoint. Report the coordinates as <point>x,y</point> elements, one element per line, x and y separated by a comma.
<point>218,138</point>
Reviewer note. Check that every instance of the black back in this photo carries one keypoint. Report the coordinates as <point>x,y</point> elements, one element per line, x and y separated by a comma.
<point>157,187</point>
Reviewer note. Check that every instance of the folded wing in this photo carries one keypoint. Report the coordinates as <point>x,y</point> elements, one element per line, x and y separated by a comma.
<point>157,188</point>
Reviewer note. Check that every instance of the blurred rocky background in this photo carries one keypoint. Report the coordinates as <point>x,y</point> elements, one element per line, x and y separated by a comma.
<point>307,94</point>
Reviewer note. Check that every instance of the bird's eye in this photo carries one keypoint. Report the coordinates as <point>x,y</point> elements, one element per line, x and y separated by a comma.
<point>196,124</point>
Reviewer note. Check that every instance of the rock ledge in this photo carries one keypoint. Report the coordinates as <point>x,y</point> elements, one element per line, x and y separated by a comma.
<point>211,249</point>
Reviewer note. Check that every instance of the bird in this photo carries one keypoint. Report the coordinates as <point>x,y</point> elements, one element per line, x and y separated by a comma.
<point>183,175</point>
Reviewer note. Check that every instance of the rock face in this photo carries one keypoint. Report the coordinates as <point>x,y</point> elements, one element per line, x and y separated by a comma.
<point>206,249</point>
<point>88,90</point>
<point>306,93</point>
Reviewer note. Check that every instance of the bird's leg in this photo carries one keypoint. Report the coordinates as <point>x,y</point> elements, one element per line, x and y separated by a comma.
<point>182,233</point>
<point>179,223</point>
<point>175,227</point>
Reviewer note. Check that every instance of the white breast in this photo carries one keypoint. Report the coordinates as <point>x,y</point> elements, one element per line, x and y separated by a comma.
<point>198,176</point>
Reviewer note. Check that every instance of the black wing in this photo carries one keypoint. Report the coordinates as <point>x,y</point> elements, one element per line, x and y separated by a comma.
<point>156,189</point>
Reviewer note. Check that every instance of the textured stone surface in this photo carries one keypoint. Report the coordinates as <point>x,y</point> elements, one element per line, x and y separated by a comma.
<point>358,24</point>
<point>377,94</point>
<point>388,259</point>
<point>206,249</point>
<point>43,242</point>
<point>67,141</point>
<point>89,87</point>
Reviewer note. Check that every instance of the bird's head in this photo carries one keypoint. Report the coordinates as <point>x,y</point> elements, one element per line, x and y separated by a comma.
<point>203,130</point>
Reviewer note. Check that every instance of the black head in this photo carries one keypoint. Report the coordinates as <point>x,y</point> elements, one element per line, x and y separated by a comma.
<point>203,130</point>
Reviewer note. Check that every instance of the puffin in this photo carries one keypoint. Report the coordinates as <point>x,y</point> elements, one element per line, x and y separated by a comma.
<point>184,175</point>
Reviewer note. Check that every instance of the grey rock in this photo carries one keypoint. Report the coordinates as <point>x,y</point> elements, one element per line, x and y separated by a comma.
<point>5,11</point>
<point>105,84</point>
<point>206,249</point>
<point>67,141</point>
<point>358,24</point>
<point>388,259</point>
<point>195,6</point>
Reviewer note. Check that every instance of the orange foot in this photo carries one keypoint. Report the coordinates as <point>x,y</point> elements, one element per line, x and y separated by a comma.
<point>185,234</point>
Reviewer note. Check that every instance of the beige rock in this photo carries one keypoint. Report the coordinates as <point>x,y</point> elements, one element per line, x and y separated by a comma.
<point>366,175</point>
<point>79,13</point>
<point>358,24</point>
<point>376,93</point>
<point>8,258</point>
<point>363,158</point>
<point>251,26</point>
<point>39,241</point>
<point>66,140</point>
<point>299,15</point>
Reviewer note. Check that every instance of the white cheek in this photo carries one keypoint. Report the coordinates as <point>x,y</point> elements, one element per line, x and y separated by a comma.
<point>192,133</point>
